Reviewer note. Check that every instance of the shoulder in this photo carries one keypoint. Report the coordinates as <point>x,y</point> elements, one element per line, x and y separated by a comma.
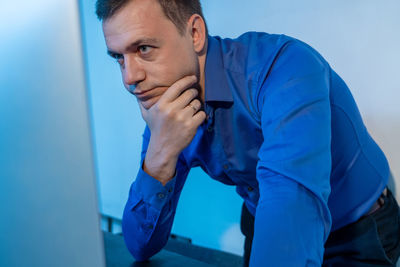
<point>257,53</point>
<point>250,50</point>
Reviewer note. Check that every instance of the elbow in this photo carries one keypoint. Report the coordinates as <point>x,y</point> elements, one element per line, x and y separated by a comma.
<point>143,238</point>
<point>141,252</point>
<point>136,240</point>
<point>136,245</point>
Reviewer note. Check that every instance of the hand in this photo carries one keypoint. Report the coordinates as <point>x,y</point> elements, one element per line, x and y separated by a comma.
<point>173,122</point>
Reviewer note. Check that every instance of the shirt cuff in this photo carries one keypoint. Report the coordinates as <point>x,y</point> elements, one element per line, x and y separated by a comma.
<point>151,190</point>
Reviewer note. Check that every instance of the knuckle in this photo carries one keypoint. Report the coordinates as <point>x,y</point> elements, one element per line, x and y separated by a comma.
<point>187,124</point>
<point>179,117</point>
<point>169,113</point>
<point>164,110</point>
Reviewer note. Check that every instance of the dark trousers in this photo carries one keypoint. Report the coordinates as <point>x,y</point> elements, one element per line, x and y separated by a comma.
<point>374,240</point>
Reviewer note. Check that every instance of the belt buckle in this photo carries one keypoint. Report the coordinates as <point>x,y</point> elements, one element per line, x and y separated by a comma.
<point>378,203</point>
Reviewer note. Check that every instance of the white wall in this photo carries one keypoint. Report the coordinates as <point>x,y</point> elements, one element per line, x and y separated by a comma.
<point>359,38</point>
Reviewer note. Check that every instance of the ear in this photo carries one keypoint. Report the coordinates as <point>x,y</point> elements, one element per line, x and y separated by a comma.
<point>197,30</point>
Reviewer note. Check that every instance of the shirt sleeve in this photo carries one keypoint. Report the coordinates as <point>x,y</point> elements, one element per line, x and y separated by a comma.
<point>292,218</point>
<point>150,209</point>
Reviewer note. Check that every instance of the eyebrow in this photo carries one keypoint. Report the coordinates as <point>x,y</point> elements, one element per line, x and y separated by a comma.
<point>134,44</point>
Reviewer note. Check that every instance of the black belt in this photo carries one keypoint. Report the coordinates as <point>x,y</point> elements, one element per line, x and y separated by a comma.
<point>379,203</point>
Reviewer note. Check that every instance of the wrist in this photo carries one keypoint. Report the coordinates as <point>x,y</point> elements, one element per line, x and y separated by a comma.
<point>160,165</point>
<point>160,172</point>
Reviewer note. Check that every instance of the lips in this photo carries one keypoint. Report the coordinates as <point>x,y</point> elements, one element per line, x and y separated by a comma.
<point>145,95</point>
<point>148,94</point>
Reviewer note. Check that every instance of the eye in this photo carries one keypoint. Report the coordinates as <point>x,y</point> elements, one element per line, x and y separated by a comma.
<point>144,49</point>
<point>118,57</point>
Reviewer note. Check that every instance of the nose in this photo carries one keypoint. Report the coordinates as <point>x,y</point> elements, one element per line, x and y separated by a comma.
<point>133,73</point>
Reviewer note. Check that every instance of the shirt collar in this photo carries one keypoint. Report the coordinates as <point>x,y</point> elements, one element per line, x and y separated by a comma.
<point>216,84</point>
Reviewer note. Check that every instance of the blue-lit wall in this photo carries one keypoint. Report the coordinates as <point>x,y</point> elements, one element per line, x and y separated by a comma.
<point>359,38</point>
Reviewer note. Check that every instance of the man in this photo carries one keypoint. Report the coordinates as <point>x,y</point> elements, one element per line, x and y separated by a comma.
<point>263,112</point>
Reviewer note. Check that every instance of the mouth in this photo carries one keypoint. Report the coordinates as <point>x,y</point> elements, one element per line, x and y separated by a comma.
<point>144,95</point>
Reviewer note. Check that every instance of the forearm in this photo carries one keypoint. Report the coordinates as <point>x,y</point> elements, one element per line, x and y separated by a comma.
<point>149,213</point>
<point>289,226</point>
<point>160,163</point>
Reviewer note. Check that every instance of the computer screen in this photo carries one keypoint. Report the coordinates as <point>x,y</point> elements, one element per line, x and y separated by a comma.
<point>48,199</point>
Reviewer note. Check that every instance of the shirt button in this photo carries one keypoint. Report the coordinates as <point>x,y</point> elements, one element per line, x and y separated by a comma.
<point>150,226</point>
<point>160,195</point>
<point>209,129</point>
<point>169,190</point>
<point>225,166</point>
<point>250,188</point>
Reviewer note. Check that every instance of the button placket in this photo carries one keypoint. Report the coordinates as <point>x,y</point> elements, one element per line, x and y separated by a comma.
<point>210,118</point>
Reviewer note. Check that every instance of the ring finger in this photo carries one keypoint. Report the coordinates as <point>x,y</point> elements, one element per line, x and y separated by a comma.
<point>193,107</point>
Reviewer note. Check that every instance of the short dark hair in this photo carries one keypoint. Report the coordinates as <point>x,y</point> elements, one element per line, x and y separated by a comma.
<point>177,11</point>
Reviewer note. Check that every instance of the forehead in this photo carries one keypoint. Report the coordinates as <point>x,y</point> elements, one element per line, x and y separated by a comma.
<point>139,19</point>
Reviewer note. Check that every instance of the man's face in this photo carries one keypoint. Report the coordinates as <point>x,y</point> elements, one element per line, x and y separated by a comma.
<point>151,52</point>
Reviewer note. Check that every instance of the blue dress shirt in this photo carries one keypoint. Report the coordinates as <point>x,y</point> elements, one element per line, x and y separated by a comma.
<point>283,128</point>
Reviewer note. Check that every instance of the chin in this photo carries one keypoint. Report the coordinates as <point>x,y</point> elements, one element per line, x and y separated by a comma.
<point>149,103</point>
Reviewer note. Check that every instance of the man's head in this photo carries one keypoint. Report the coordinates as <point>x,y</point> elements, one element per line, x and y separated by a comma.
<point>178,11</point>
<point>156,43</point>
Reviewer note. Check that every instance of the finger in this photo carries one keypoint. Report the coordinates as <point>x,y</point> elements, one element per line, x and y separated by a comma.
<point>177,88</point>
<point>185,98</point>
<point>199,118</point>
<point>193,107</point>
